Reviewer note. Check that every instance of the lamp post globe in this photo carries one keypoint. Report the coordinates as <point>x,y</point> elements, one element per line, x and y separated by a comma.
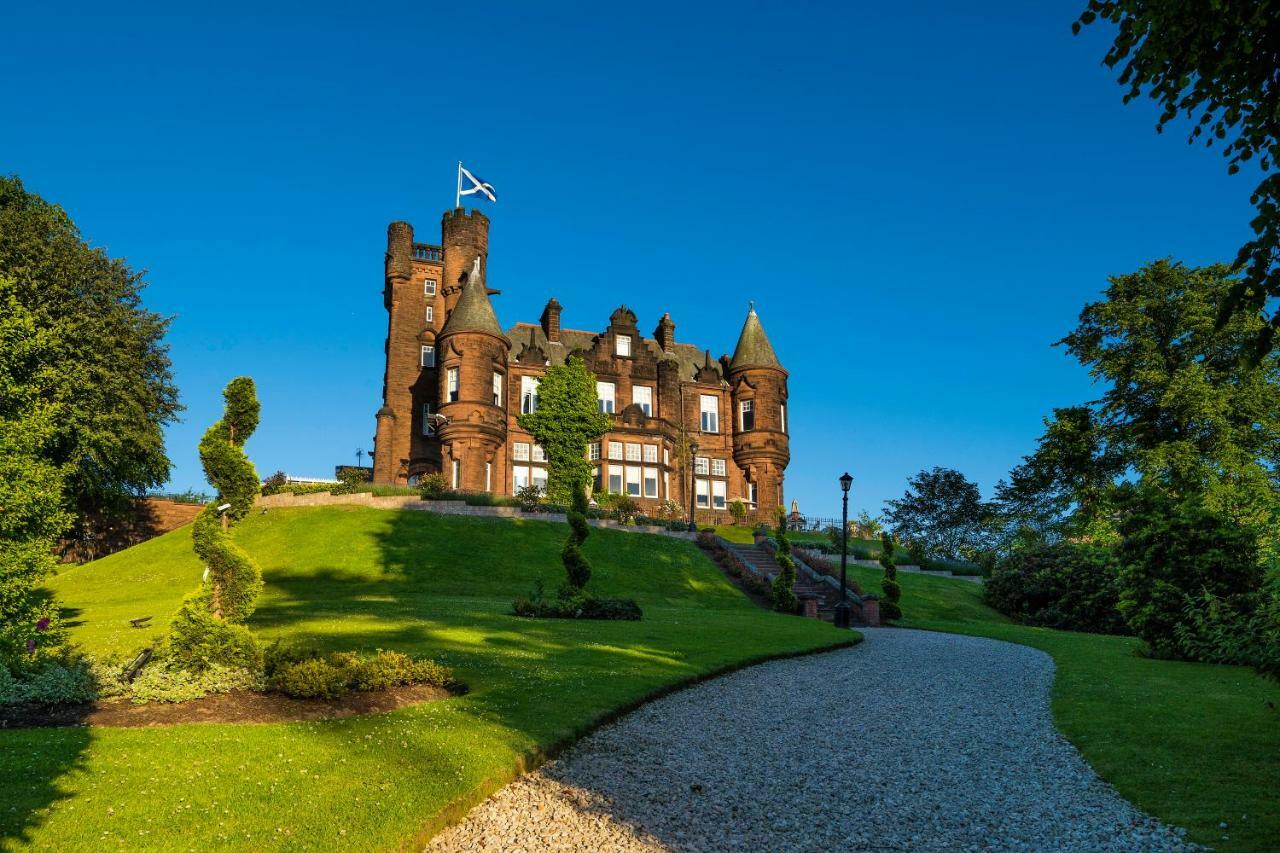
<point>841,618</point>
<point>693,473</point>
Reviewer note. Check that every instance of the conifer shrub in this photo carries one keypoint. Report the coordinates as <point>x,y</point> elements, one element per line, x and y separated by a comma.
<point>783,589</point>
<point>889,607</point>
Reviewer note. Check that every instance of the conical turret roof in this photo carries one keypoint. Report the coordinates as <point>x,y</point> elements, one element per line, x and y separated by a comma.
<point>474,312</point>
<point>754,349</point>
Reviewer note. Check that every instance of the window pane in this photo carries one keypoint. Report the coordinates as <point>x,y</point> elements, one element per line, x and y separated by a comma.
<point>497,389</point>
<point>615,479</point>
<point>633,480</point>
<point>539,453</point>
<point>642,396</point>
<point>717,467</point>
<point>593,451</point>
<point>520,451</point>
<point>700,465</point>
<point>519,477</point>
<point>703,492</point>
<point>428,356</point>
<point>615,450</point>
<point>651,453</point>
<point>633,452</point>
<point>429,287</point>
<point>540,478</point>
<point>604,395</point>
<point>718,491</point>
<point>624,345</point>
<point>710,408</point>
<point>650,482</point>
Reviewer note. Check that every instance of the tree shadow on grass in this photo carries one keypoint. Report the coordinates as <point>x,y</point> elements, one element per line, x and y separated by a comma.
<point>32,761</point>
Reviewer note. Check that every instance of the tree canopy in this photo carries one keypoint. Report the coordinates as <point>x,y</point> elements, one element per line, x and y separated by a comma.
<point>567,418</point>
<point>1216,63</point>
<point>107,367</point>
<point>32,514</point>
<point>943,511</point>
<point>1181,409</point>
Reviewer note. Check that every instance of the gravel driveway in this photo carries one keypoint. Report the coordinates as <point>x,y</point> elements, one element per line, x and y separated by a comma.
<point>910,741</point>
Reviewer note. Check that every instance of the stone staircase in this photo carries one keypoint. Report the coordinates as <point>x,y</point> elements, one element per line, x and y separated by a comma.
<point>762,562</point>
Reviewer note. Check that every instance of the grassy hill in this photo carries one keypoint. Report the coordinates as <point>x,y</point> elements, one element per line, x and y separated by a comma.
<point>350,577</point>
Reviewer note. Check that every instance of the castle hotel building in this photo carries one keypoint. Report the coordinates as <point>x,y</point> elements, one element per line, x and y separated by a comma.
<point>456,383</point>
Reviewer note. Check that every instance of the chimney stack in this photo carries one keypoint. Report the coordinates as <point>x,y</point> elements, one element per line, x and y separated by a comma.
<point>665,334</point>
<point>551,320</point>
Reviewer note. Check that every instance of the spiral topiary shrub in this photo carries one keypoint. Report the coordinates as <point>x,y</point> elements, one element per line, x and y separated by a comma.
<point>783,590</point>
<point>889,608</point>
<point>234,579</point>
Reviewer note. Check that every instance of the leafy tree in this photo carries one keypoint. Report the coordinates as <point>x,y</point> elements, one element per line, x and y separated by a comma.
<point>868,526</point>
<point>889,607</point>
<point>234,578</point>
<point>32,515</point>
<point>1181,410</point>
<point>1062,489</point>
<point>942,510</point>
<point>1216,63</point>
<point>567,418</point>
<point>109,374</point>
<point>737,511</point>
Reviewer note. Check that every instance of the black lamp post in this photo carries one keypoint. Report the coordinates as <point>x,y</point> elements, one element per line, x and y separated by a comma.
<point>841,618</point>
<point>693,473</point>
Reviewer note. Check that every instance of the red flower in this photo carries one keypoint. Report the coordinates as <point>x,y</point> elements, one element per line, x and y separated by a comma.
<point>43,624</point>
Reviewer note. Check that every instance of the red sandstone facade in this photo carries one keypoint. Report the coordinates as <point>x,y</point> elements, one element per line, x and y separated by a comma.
<point>456,383</point>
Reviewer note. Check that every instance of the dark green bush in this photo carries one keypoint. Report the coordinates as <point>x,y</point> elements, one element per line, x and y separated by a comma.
<point>1074,587</point>
<point>1173,554</point>
<point>529,498</point>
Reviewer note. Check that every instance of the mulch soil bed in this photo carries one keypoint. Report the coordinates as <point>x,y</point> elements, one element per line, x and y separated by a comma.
<point>238,707</point>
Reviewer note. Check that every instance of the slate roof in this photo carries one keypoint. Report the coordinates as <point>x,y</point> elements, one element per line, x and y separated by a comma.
<point>754,349</point>
<point>473,312</point>
<point>690,358</point>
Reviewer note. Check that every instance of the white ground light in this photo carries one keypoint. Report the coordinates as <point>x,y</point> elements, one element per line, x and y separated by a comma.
<point>910,741</point>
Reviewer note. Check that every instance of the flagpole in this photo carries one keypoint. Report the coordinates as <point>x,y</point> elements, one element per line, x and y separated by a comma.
<point>457,199</point>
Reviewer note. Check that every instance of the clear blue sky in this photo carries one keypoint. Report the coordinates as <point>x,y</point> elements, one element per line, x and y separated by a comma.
<point>919,197</point>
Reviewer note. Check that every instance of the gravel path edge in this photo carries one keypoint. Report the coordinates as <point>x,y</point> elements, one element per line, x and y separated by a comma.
<point>457,809</point>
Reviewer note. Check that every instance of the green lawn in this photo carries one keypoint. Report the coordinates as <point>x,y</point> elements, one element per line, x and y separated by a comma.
<point>1194,744</point>
<point>351,577</point>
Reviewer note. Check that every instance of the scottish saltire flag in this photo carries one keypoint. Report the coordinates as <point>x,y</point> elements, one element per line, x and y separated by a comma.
<point>484,188</point>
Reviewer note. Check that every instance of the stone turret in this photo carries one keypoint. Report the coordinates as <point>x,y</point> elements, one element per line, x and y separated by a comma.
<point>472,362</point>
<point>758,384</point>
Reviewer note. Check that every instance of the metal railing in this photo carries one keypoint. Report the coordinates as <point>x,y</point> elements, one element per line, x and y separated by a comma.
<point>427,252</point>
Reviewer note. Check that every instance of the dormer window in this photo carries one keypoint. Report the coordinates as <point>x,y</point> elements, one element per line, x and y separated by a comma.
<point>624,345</point>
